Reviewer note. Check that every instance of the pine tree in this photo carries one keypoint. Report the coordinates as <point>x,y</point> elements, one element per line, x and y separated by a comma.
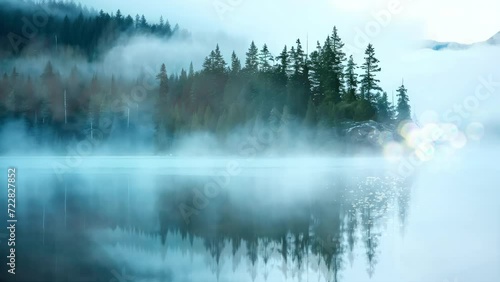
<point>119,17</point>
<point>369,82</point>
<point>191,71</point>
<point>208,64</point>
<point>403,107</point>
<point>338,61</point>
<point>351,80</point>
<point>162,23</point>
<point>160,112</point>
<point>219,65</point>
<point>168,28</point>
<point>283,61</point>
<point>129,22</point>
<point>143,23</point>
<point>235,64</point>
<point>384,111</point>
<point>137,21</point>
<point>252,59</point>
<point>315,74</point>
<point>298,59</point>
<point>298,87</point>
<point>327,74</point>
<point>163,77</point>
<point>266,60</point>
<point>49,84</point>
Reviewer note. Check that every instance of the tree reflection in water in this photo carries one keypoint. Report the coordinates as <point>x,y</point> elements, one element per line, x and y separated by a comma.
<point>91,226</point>
<point>316,229</point>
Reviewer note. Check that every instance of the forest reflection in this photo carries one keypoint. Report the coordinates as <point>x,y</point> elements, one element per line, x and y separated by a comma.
<point>314,229</point>
<point>86,225</point>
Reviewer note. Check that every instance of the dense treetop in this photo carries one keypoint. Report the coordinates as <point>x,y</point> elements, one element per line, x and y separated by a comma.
<point>28,27</point>
<point>316,94</point>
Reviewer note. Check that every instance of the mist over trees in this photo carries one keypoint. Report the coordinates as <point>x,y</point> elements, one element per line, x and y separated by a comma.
<point>321,91</point>
<point>58,25</point>
<point>306,99</point>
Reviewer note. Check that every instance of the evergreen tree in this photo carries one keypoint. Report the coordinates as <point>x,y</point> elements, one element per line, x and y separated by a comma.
<point>328,75</point>
<point>369,82</point>
<point>318,90</point>
<point>161,26</point>
<point>235,64</point>
<point>128,23</point>
<point>298,59</point>
<point>298,87</point>
<point>403,107</point>
<point>315,74</point>
<point>252,59</point>
<point>143,24</point>
<point>163,78</point>
<point>266,60</point>
<point>351,80</point>
<point>208,64</point>
<point>338,61</point>
<point>283,61</point>
<point>219,64</point>
<point>191,71</point>
<point>119,17</point>
<point>384,110</point>
<point>137,21</point>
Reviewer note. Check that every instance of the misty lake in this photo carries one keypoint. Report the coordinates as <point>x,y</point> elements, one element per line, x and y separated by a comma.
<point>117,219</point>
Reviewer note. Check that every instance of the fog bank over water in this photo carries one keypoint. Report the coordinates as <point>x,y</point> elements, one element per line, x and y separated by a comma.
<point>450,86</point>
<point>132,215</point>
<point>127,163</point>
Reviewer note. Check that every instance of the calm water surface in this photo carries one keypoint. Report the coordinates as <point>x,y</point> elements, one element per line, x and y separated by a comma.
<point>264,221</point>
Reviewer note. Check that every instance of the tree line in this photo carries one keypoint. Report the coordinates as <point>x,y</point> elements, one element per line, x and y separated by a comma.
<point>321,90</point>
<point>57,25</point>
<point>316,92</point>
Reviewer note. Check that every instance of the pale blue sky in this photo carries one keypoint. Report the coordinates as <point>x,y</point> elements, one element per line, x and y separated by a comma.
<point>445,20</point>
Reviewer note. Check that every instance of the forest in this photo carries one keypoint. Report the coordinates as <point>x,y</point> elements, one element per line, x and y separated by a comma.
<point>305,97</point>
<point>66,26</point>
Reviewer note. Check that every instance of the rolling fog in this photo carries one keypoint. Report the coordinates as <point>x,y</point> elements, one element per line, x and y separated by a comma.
<point>442,85</point>
<point>158,219</point>
<point>261,214</point>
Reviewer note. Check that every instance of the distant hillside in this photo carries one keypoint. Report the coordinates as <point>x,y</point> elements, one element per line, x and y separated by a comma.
<point>436,45</point>
<point>30,28</point>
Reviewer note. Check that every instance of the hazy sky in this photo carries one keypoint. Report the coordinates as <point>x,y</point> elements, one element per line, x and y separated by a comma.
<point>285,20</point>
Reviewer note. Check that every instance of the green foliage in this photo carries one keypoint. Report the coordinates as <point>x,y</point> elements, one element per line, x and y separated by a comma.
<point>252,59</point>
<point>403,106</point>
<point>73,28</point>
<point>235,64</point>
<point>364,110</point>
<point>351,81</point>
<point>384,109</point>
<point>320,90</point>
<point>369,82</point>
